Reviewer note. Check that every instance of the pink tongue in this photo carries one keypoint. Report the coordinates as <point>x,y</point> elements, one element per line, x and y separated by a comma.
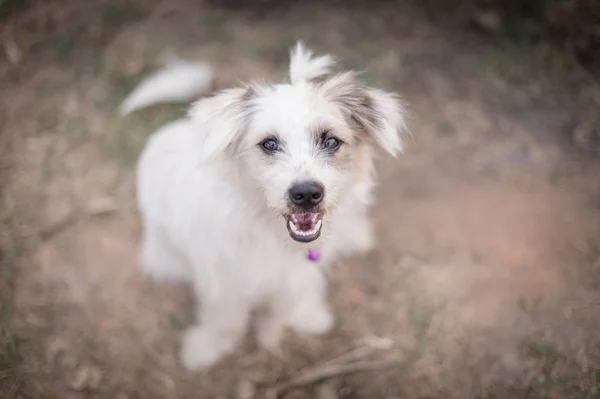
<point>303,217</point>
<point>303,221</point>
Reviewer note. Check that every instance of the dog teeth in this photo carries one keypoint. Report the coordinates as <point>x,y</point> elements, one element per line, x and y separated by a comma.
<point>318,225</point>
<point>311,232</point>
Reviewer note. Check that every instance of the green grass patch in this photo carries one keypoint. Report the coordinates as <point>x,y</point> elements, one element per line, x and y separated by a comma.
<point>129,135</point>
<point>545,350</point>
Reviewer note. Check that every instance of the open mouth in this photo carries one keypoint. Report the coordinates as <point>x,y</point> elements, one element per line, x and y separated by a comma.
<point>304,227</point>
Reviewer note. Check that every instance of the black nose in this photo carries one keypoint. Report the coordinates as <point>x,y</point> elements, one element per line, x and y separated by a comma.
<point>307,194</point>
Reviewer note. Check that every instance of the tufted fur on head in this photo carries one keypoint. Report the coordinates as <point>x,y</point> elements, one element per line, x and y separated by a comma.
<point>304,67</point>
<point>370,112</point>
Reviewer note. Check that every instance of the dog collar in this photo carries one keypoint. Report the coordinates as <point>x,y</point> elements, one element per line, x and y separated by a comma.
<point>313,256</point>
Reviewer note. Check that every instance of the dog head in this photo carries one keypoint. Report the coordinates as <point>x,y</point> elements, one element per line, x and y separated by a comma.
<point>303,142</point>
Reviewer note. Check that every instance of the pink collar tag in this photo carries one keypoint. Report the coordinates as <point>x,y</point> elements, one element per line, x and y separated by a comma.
<point>313,256</point>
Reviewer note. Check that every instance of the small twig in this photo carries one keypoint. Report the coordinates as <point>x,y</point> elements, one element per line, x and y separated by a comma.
<point>50,232</point>
<point>355,354</point>
<point>370,346</point>
<point>327,371</point>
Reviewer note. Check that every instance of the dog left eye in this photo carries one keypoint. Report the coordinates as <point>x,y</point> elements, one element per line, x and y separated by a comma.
<point>270,145</point>
<point>331,143</point>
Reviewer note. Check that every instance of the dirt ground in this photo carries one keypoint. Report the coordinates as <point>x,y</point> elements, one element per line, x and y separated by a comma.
<point>485,281</point>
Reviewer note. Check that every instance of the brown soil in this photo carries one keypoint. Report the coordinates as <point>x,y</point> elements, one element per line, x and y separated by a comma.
<point>485,276</point>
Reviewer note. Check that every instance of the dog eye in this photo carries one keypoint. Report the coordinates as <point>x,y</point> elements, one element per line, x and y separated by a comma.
<point>331,143</point>
<point>270,145</point>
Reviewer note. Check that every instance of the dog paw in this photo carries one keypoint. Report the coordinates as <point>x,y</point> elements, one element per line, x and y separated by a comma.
<point>313,319</point>
<point>269,333</point>
<point>202,349</point>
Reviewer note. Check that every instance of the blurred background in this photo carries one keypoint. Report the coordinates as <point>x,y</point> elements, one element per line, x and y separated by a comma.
<point>485,282</point>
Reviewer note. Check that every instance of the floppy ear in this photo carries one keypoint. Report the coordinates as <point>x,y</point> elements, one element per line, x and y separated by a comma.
<point>377,113</point>
<point>221,120</point>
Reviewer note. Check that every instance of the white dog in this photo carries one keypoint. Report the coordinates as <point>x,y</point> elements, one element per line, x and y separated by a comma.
<point>256,193</point>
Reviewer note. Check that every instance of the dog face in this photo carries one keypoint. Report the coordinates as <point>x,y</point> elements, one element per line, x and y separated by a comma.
<point>304,144</point>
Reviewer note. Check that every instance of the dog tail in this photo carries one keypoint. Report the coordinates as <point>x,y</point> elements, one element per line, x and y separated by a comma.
<point>304,67</point>
<point>179,81</point>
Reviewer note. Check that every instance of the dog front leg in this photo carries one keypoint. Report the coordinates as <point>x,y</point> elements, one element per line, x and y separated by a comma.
<point>303,308</point>
<point>308,312</point>
<point>223,322</point>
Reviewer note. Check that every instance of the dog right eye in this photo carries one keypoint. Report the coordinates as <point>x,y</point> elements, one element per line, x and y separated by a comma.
<point>270,145</point>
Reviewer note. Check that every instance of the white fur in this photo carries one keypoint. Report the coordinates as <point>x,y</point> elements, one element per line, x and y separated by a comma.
<point>212,203</point>
<point>179,81</point>
<point>304,67</point>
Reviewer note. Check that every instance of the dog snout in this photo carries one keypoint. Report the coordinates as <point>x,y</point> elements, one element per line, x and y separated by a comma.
<point>307,194</point>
